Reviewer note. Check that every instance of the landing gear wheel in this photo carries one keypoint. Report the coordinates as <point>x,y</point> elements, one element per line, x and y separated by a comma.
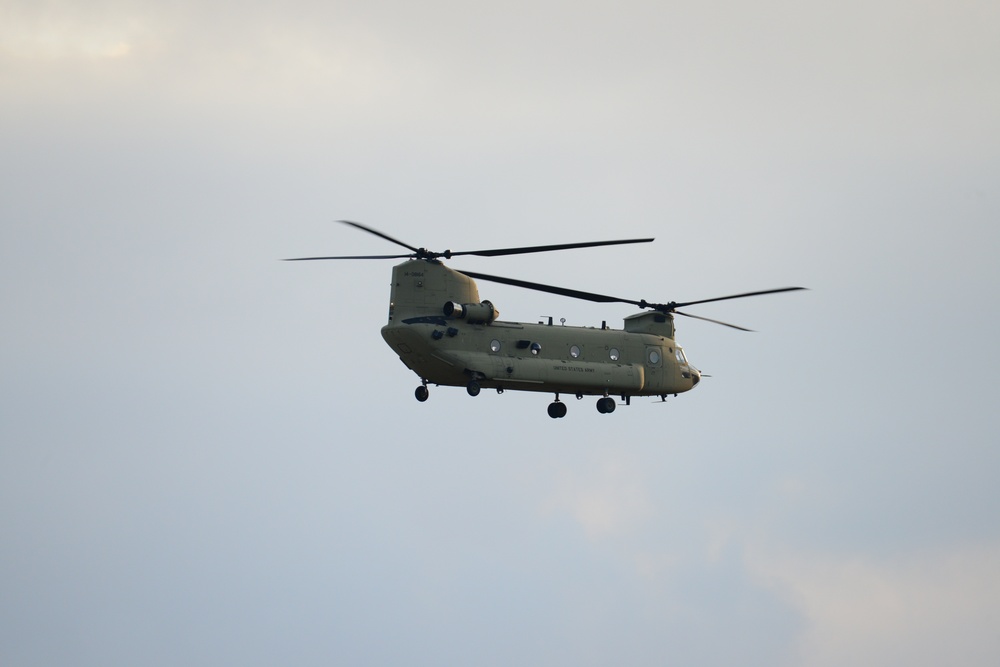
<point>606,405</point>
<point>421,393</point>
<point>557,410</point>
<point>473,388</point>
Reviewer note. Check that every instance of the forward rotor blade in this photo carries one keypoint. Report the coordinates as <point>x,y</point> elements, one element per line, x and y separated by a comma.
<point>708,319</point>
<point>497,252</point>
<point>379,234</point>
<point>551,289</point>
<point>306,259</point>
<point>737,296</point>
<point>604,298</point>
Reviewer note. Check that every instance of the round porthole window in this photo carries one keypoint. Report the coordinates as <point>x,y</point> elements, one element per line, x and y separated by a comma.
<point>654,357</point>
<point>614,354</point>
<point>574,351</point>
<point>536,348</point>
<point>495,345</point>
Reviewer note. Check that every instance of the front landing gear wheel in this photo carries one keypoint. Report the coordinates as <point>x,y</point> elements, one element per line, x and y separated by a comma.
<point>557,410</point>
<point>606,405</point>
<point>421,393</point>
<point>473,388</point>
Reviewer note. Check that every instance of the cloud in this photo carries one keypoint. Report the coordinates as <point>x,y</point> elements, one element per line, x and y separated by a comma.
<point>610,499</point>
<point>923,609</point>
<point>667,77</point>
<point>41,32</point>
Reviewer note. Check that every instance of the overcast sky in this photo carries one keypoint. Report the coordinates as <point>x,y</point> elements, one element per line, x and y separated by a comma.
<point>208,456</point>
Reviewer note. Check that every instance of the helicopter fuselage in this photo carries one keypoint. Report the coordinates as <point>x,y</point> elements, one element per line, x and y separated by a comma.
<point>447,336</point>
<point>443,332</point>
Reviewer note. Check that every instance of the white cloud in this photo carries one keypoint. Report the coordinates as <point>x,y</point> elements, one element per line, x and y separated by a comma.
<point>666,76</point>
<point>925,609</point>
<point>611,499</point>
<point>47,33</point>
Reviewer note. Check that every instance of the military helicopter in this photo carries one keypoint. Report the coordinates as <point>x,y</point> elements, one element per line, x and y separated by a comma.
<point>443,332</point>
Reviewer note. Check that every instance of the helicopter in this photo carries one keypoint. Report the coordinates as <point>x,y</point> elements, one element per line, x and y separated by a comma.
<point>447,336</point>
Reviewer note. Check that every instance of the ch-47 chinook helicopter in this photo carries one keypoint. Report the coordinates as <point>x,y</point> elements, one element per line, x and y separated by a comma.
<point>443,332</point>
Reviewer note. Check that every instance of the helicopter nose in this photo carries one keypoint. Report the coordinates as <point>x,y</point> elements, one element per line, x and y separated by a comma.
<point>695,377</point>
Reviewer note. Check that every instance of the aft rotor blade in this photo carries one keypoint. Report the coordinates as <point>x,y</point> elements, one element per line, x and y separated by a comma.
<point>708,319</point>
<point>736,296</point>
<point>379,234</point>
<point>551,289</point>
<point>306,259</point>
<point>497,252</point>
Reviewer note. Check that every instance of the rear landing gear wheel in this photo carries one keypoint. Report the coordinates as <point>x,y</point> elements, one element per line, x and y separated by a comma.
<point>557,410</point>
<point>422,393</point>
<point>473,388</point>
<point>606,405</point>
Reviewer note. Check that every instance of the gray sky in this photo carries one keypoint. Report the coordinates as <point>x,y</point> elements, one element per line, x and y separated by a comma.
<point>208,456</point>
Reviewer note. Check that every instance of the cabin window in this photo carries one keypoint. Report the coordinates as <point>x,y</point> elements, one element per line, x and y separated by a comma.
<point>495,345</point>
<point>574,351</point>
<point>654,357</point>
<point>614,354</point>
<point>536,348</point>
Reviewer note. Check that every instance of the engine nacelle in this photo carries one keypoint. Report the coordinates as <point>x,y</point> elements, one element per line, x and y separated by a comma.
<point>474,313</point>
